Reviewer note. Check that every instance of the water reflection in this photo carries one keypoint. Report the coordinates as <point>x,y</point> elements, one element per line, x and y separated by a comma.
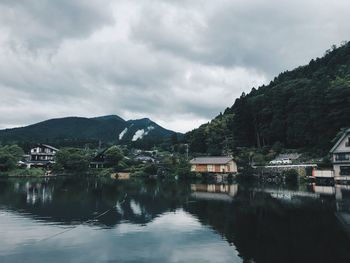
<point>170,222</point>
<point>340,193</point>
<point>221,192</point>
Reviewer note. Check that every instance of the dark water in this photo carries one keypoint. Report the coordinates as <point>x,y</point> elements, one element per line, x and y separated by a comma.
<point>79,220</point>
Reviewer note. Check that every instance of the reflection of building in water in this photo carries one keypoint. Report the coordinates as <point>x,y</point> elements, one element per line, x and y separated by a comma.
<point>222,192</point>
<point>37,192</point>
<point>340,192</point>
<point>287,195</point>
<point>342,196</point>
<point>323,189</point>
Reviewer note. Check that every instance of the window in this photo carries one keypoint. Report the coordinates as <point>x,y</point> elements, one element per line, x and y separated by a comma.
<point>210,168</point>
<point>223,168</point>
<point>341,157</point>
<point>344,170</point>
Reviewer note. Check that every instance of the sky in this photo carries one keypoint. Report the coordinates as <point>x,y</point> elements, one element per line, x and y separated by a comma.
<point>177,62</point>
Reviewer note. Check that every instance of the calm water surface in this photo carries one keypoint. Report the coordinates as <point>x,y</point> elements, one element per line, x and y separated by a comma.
<point>80,220</point>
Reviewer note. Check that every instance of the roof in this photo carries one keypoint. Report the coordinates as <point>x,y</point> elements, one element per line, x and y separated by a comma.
<point>340,140</point>
<point>99,156</point>
<point>211,160</point>
<point>47,146</point>
<point>144,157</point>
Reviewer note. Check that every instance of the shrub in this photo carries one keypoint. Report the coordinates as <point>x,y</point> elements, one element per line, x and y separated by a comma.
<point>150,169</point>
<point>291,176</point>
<point>105,172</point>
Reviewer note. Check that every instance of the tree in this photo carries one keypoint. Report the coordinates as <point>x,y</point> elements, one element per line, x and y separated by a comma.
<point>151,169</point>
<point>291,176</point>
<point>174,139</point>
<point>14,150</point>
<point>72,160</point>
<point>9,156</point>
<point>183,169</point>
<point>7,161</point>
<point>113,156</point>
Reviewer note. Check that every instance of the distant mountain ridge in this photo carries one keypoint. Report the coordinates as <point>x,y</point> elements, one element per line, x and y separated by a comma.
<point>108,129</point>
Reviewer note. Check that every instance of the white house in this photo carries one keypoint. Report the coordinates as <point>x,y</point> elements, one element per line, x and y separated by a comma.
<point>341,156</point>
<point>43,153</point>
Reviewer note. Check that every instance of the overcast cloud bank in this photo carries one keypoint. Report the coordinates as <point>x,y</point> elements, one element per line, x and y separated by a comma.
<point>177,62</point>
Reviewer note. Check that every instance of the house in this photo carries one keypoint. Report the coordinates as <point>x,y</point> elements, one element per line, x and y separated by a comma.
<point>99,160</point>
<point>41,155</point>
<point>341,156</point>
<point>213,164</point>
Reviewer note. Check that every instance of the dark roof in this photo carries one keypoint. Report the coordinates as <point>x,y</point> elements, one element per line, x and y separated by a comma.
<point>47,146</point>
<point>99,156</point>
<point>340,140</point>
<point>211,160</point>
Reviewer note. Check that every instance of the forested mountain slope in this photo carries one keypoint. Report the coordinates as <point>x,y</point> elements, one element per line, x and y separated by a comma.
<point>302,109</point>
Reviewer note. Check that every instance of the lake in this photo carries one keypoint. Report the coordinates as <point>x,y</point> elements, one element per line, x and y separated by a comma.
<point>103,220</point>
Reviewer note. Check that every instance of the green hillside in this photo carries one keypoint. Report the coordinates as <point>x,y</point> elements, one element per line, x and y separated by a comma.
<point>78,131</point>
<point>301,109</point>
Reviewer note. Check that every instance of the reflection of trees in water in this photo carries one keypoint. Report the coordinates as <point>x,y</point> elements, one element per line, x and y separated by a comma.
<point>72,201</point>
<point>265,229</point>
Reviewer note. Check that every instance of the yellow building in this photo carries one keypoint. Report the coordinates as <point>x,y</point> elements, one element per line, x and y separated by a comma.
<point>214,164</point>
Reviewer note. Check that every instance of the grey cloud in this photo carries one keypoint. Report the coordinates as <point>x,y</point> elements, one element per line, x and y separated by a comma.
<point>178,62</point>
<point>38,24</point>
<point>270,36</point>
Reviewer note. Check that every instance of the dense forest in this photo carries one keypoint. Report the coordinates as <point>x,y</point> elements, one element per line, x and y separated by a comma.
<point>302,109</point>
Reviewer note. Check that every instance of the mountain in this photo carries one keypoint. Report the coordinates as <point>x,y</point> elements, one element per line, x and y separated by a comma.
<point>304,109</point>
<point>79,130</point>
<point>142,128</point>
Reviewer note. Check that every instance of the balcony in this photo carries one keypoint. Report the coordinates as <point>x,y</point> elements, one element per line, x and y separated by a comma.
<point>43,153</point>
<point>341,157</point>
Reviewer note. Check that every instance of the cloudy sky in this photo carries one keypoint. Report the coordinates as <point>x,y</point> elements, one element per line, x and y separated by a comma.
<point>177,62</point>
